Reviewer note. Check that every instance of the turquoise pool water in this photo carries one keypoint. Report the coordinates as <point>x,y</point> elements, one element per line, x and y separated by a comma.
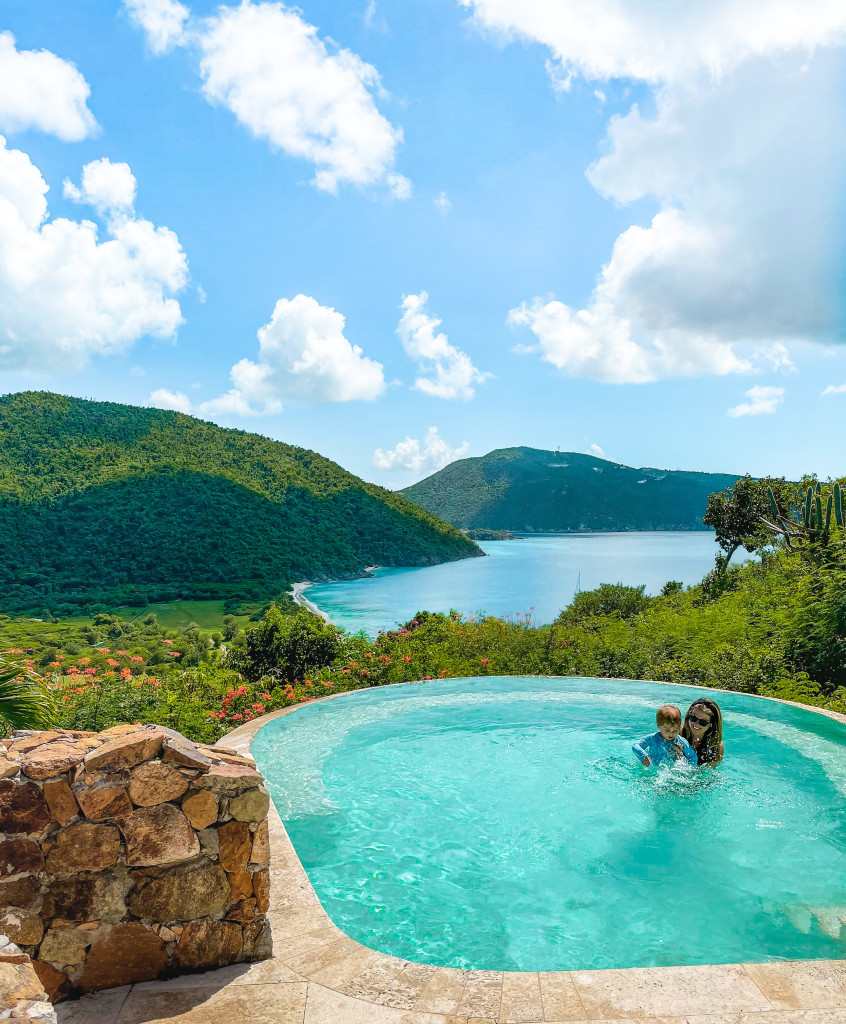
<point>503,823</point>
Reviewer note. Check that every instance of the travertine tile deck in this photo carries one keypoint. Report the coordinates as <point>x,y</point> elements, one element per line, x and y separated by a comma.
<point>321,976</point>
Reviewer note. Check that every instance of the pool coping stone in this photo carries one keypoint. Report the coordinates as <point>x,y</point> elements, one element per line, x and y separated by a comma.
<point>319,975</point>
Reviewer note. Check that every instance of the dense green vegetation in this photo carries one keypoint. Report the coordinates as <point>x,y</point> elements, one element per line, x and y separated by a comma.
<point>110,671</point>
<point>775,627</point>
<point>104,505</point>
<point>527,490</point>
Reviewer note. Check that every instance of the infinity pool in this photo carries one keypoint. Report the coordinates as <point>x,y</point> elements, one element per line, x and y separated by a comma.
<point>504,824</point>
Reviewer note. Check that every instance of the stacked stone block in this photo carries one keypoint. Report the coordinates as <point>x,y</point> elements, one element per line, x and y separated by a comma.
<point>22,996</point>
<point>130,854</point>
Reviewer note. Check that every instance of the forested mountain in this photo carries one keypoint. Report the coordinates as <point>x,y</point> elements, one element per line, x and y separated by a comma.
<point>528,490</point>
<point>102,504</point>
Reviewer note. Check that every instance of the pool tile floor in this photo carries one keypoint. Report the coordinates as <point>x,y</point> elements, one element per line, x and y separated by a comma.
<point>321,976</point>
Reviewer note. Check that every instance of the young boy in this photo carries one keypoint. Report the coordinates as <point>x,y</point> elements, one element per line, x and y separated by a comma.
<point>666,744</point>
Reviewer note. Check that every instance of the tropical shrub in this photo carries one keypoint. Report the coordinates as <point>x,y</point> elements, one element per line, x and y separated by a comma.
<point>608,599</point>
<point>287,648</point>
<point>25,702</point>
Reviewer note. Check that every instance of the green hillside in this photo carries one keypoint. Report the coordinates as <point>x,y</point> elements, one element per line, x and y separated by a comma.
<point>528,490</point>
<point>104,504</point>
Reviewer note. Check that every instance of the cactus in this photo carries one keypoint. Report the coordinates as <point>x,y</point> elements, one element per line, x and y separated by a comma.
<point>773,504</point>
<point>810,526</point>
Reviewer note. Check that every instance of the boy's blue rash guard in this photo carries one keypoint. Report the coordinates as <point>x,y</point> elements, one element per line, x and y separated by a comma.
<point>658,749</point>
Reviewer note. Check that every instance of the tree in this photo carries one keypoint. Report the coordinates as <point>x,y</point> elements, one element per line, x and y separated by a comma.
<point>738,515</point>
<point>612,599</point>
<point>113,625</point>
<point>287,647</point>
<point>230,627</point>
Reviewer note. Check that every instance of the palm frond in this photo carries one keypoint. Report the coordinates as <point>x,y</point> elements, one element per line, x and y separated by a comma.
<point>24,703</point>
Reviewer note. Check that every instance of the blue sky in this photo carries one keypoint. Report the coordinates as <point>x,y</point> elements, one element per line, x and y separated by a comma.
<point>628,218</point>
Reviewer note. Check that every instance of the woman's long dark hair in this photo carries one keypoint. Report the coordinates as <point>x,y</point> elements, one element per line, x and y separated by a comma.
<point>709,749</point>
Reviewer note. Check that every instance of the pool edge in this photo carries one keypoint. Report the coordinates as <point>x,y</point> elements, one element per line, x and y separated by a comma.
<point>308,943</point>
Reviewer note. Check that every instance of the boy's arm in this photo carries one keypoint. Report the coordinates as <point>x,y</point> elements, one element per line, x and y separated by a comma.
<point>641,752</point>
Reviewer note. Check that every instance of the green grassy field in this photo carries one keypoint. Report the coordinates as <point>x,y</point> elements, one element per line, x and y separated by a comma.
<point>179,614</point>
<point>207,615</point>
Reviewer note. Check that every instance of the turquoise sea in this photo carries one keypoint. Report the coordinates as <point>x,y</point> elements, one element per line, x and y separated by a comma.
<point>537,575</point>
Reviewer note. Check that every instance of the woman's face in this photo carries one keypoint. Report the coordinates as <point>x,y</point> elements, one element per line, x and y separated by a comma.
<point>699,720</point>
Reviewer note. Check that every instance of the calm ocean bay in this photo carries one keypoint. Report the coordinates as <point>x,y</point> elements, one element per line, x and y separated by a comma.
<point>537,573</point>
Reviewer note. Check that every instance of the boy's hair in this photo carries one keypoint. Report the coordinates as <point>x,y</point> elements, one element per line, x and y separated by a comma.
<point>668,714</point>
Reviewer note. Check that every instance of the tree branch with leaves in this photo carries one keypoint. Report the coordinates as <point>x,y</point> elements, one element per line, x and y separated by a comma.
<point>739,515</point>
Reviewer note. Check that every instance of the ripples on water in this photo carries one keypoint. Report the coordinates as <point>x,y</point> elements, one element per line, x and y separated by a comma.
<point>505,824</point>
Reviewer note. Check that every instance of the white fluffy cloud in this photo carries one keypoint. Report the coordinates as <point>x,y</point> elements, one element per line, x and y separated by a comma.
<point>413,456</point>
<point>599,343</point>
<point>40,91</point>
<point>163,21</point>
<point>269,67</point>
<point>108,187</point>
<point>745,159</point>
<point>660,42</point>
<point>303,357</point>
<point>777,356</point>
<point>175,401</point>
<point>451,371</point>
<point>65,294</point>
<point>834,389</point>
<point>762,401</point>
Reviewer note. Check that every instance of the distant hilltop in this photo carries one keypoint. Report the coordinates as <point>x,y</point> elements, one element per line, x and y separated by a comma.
<point>103,504</point>
<point>528,490</point>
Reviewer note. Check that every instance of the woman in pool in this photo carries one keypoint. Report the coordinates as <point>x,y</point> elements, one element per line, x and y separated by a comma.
<point>703,730</point>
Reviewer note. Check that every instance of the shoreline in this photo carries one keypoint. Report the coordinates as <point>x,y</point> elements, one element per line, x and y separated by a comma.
<point>523,534</point>
<point>300,599</point>
<point>297,592</point>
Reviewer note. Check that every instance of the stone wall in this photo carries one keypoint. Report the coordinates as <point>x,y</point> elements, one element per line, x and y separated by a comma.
<point>22,996</point>
<point>130,854</point>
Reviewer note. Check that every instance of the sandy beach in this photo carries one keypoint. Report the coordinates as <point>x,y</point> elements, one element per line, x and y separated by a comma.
<point>297,593</point>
